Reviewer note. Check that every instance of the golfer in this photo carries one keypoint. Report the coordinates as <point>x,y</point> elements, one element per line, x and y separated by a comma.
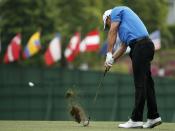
<point>133,33</point>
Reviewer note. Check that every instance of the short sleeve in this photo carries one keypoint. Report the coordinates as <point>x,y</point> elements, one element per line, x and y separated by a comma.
<point>116,15</point>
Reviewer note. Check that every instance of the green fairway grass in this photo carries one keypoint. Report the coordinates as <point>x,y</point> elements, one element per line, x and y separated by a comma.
<point>72,126</point>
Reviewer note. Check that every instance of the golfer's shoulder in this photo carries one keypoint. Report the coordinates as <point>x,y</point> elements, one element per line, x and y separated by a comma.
<point>120,8</point>
<point>120,11</point>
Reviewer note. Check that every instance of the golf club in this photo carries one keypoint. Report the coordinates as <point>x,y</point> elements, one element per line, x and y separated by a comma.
<point>100,83</point>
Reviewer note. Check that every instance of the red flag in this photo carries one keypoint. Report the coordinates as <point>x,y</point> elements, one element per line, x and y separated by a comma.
<point>13,50</point>
<point>91,42</point>
<point>73,48</point>
<point>53,53</point>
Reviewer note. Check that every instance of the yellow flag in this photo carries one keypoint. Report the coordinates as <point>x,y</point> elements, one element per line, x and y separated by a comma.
<point>33,45</point>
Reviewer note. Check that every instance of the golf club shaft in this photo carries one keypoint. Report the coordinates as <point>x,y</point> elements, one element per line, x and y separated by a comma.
<point>102,78</point>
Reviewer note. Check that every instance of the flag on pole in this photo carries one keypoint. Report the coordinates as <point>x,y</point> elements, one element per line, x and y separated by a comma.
<point>13,50</point>
<point>103,49</point>
<point>73,47</point>
<point>91,42</point>
<point>33,46</point>
<point>53,53</point>
<point>155,37</point>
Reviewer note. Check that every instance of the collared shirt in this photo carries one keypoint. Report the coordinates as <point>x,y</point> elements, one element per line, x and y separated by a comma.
<point>131,27</point>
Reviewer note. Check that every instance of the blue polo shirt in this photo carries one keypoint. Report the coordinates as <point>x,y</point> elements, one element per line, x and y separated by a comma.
<point>131,27</point>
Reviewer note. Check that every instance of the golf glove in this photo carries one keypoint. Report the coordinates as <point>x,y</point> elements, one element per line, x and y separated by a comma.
<point>109,60</point>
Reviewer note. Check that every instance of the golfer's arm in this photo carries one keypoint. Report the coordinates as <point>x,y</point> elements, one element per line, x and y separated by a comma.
<point>119,52</point>
<point>112,35</point>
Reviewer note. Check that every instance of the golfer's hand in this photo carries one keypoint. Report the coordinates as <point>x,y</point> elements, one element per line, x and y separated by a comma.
<point>109,60</point>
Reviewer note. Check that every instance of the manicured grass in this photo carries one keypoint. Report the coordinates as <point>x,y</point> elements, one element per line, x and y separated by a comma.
<point>72,126</point>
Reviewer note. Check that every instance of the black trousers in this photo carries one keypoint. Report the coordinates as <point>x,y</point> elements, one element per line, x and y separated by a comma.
<point>142,53</point>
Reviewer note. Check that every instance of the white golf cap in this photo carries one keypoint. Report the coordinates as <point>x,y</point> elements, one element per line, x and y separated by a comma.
<point>105,15</point>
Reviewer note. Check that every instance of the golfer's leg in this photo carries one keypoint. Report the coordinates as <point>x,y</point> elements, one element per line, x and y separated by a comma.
<point>140,92</point>
<point>151,98</point>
